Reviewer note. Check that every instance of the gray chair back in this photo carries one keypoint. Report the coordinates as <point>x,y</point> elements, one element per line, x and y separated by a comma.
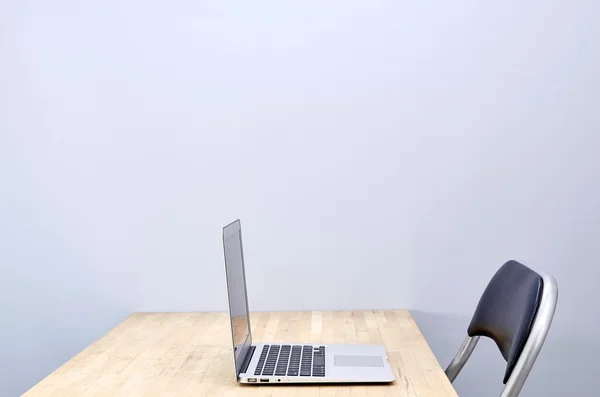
<point>515,311</point>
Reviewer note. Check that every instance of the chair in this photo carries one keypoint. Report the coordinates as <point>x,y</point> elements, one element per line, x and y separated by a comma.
<point>515,310</point>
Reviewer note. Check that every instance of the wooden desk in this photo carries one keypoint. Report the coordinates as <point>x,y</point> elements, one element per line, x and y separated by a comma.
<point>189,354</point>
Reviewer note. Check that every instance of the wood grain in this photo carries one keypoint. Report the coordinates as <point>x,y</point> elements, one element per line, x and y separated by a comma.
<point>189,354</point>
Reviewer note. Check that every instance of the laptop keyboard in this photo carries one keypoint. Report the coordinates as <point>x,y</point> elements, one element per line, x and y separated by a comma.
<point>291,360</point>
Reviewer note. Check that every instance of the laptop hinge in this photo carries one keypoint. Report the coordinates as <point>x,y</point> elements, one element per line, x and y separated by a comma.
<point>247,360</point>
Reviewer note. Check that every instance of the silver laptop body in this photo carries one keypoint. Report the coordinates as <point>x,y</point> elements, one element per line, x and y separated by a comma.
<point>265,363</point>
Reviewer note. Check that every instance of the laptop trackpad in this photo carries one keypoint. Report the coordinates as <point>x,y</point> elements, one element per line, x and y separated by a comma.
<point>357,361</point>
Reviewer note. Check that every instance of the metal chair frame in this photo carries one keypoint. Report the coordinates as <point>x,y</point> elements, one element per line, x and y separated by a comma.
<point>531,350</point>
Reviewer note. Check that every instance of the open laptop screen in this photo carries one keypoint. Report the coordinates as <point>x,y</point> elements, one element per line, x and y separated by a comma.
<point>236,291</point>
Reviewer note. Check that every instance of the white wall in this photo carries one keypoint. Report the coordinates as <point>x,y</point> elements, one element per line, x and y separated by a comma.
<point>401,150</point>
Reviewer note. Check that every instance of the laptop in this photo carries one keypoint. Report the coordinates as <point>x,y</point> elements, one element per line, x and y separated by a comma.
<point>268,363</point>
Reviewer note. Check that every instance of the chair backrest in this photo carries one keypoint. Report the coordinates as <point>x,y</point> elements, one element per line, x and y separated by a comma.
<point>516,311</point>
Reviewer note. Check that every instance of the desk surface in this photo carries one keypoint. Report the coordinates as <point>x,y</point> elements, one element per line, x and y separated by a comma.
<point>189,354</point>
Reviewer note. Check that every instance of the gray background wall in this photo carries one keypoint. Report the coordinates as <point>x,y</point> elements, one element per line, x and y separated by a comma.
<point>404,150</point>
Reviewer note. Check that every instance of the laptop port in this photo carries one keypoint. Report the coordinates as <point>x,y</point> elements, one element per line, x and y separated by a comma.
<point>251,380</point>
<point>264,380</point>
